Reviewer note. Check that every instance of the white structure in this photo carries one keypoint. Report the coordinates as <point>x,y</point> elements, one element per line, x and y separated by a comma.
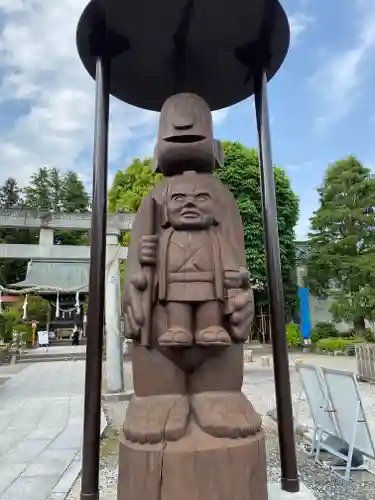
<point>46,250</point>
<point>340,424</point>
<point>114,349</point>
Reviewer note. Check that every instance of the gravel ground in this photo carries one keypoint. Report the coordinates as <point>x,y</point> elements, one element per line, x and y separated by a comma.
<point>326,486</point>
<point>259,387</point>
<point>319,479</point>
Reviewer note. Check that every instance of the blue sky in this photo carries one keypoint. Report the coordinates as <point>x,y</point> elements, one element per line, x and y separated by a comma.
<point>321,101</point>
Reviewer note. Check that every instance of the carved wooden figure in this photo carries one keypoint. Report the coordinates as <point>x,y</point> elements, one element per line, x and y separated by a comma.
<point>189,431</point>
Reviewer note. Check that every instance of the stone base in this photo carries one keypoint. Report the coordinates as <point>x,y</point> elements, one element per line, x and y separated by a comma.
<point>276,493</point>
<point>198,466</point>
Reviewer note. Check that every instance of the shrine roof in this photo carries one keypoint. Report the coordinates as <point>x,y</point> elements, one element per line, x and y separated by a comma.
<point>72,276</point>
<point>302,251</point>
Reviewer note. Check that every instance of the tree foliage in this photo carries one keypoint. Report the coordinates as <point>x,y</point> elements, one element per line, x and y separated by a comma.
<point>12,318</point>
<point>129,188</point>
<point>41,194</point>
<point>73,198</point>
<point>12,270</point>
<point>131,185</point>
<point>73,195</point>
<point>10,195</point>
<point>53,191</point>
<point>48,190</point>
<point>341,260</point>
<point>241,174</point>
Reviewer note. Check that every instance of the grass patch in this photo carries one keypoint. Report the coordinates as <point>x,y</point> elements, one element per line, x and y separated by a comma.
<point>109,442</point>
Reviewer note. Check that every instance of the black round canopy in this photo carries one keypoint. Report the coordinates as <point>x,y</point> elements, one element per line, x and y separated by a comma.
<point>161,47</point>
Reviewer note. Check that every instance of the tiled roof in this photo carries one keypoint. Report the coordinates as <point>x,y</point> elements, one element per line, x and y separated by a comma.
<point>302,250</point>
<point>49,273</point>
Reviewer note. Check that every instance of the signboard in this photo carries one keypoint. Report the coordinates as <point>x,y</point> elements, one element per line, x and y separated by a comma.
<point>43,339</point>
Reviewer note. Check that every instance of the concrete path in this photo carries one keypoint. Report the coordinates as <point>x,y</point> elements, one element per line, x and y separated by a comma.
<point>41,420</point>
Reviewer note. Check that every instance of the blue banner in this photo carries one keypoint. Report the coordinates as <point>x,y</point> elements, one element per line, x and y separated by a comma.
<point>304,305</point>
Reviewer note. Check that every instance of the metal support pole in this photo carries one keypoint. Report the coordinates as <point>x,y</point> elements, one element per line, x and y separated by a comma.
<point>95,319</point>
<point>289,473</point>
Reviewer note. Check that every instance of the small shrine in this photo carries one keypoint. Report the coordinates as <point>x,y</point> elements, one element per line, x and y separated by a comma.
<point>63,284</point>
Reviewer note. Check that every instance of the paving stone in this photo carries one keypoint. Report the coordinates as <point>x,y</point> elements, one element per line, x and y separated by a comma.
<point>67,480</point>
<point>35,488</point>
<point>8,440</point>
<point>9,473</point>
<point>50,462</point>
<point>41,408</point>
<point>41,421</point>
<point>68,439</point>
<point>46,432</point>
<point>27,450</point>
<point>5,420</point>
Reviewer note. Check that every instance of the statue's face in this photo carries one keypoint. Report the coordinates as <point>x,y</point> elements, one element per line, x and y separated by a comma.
<point>185,138</point>
<point>190,207</point>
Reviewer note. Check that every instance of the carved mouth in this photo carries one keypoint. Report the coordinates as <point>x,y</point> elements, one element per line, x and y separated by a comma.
<point>185,138</point>
<point>190,214</point>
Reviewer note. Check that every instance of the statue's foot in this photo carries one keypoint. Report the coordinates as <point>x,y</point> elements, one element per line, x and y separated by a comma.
<point>225,414</point>
<point>156,418</point>
<point>176,336</point>
<point>213,335</point>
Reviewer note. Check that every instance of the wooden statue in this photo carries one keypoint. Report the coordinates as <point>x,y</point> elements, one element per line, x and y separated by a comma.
<point>189,431</point>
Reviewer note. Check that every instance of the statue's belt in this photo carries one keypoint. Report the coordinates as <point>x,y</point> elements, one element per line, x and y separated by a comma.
<point>188,277</point>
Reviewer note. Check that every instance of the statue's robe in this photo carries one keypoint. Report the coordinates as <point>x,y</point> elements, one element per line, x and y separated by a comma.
<point>191,265</point>
<point>229,221</point>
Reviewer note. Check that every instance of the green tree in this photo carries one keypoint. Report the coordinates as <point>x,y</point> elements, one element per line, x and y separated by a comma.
<point>129,188</point>
<point>12,318</point>
<point>12,270</point>
<point>73,199</point>
<point>240,173</point>
<point>131,185</point>
<point>55,187</point>
<point>38,194</point>
<point>10,195</point>
<point>53,191</point>
<point>341,261</point>
<point>48,190</point>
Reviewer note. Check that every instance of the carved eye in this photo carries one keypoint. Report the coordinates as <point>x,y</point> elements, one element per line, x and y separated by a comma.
<point>203,197</point>
<point>178,197</point>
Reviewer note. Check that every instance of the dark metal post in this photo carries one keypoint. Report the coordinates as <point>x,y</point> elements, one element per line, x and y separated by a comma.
<point>289,473</point>
<point>95,319</point>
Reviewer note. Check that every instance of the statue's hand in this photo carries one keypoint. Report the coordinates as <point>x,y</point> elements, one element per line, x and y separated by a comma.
<point>134,316</point>
<point>237,279</point>
<point>147,250</point>
<point>232,280</point>
<point>242,315</point>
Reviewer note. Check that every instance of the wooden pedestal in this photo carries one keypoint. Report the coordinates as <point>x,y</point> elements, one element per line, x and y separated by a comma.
<point>197,467</point>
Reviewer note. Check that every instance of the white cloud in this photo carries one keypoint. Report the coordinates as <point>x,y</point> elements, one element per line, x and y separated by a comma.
<point>298,22</point>
<point>338,82</point>
<point>220,115</point>
<point>42,71</point>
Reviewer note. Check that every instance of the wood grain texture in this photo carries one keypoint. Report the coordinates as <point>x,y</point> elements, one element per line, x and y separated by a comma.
<point>198,466</point>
